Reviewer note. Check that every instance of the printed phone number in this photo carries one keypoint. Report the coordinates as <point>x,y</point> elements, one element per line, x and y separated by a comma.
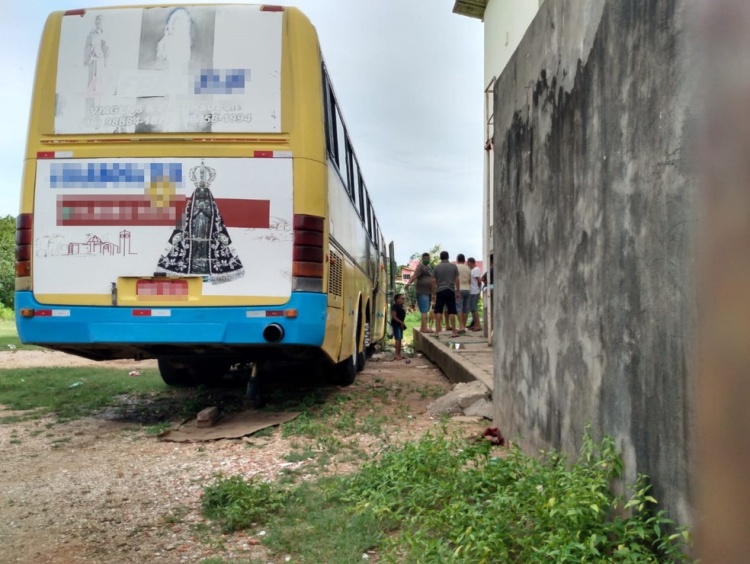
<point>121,121</point>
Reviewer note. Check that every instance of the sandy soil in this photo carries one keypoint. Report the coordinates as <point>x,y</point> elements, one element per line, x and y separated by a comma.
<point>31,358</point>
<point>102,490</point>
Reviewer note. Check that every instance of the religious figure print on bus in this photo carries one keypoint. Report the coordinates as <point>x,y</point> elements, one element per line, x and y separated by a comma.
<point>95,55</point>
<point>175,43</point>
<point>168,69</point>
<point>201,244</point>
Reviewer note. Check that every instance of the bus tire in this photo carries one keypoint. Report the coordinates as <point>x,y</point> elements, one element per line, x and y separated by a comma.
<point>176,374</point>
<point>210,373</point>
<point>345,372</point>
<point>361,355</point>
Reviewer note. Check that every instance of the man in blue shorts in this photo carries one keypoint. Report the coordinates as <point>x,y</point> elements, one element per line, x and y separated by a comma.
<point>447,289</point>
<point>423,276</point>
<point>398,322</point>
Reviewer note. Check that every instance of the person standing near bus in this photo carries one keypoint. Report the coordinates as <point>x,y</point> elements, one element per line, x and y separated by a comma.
<point>423,276</point>
<point>474,294</point>
<point>463,302</point>
<point>447,289</point>
<point>398,322</point>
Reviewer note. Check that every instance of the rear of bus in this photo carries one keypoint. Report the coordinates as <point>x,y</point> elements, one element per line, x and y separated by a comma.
<point>158,216</point>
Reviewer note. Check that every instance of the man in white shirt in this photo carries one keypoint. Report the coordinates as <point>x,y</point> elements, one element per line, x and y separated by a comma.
<point>474,294</point>
<point>463,303</point>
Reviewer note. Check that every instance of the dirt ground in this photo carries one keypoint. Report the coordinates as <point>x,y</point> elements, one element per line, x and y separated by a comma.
<point>105,491</point>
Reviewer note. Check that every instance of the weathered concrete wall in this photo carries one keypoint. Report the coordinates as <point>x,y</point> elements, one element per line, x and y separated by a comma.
<point>594,237</point>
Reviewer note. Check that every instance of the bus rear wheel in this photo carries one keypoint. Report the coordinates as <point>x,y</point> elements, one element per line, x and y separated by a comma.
<point>197,372</point>
<point>176,373</point>
<point>361,357</point>
<point>345,372</point>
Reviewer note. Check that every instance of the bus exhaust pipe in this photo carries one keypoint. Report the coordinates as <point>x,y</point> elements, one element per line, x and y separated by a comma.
<point>273,333</point>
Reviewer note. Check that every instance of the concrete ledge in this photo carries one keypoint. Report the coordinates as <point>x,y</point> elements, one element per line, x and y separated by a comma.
<point>471,363</point>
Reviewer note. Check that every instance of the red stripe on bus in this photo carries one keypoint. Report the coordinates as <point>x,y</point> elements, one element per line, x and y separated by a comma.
<point>245,213</point>
<point>117,211</point>
<point>139,211</point>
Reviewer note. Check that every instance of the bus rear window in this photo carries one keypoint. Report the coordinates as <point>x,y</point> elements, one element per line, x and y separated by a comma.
<point>168,70</point>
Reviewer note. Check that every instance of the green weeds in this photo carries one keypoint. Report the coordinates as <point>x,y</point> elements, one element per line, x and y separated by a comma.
<point>446,499</point>
<point>238,503</point>
<point>456,502</point>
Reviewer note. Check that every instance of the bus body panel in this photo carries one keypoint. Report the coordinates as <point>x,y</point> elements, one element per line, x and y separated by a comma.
<point>208,69</point>
<point>127,131</point>
<point>87,325</point>
<point>225,222</point>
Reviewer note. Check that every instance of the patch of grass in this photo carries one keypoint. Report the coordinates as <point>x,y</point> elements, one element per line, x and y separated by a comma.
<point>70,393</point>
<point>158,428</point>
<point>429,391</point>
<point>238,503</point>
<point>57,443</point>
<point>447,499</point>
<point>9,337</point>
<point>265,432</point>
<point>455,502</point>
<point>372,424</point>
<point>208,534</point>
<point>335,535</point>
<point>176,515</point>
<point>305,425</point>
<point>300,455</point>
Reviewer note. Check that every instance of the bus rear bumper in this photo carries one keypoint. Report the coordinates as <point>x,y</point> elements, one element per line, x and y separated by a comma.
<point>233,325</point>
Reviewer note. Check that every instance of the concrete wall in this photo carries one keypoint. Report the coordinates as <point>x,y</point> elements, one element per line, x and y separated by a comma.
<point>505,22</point>
<point>594,230</point>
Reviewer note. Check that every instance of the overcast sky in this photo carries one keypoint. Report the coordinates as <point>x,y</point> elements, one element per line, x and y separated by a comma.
<point>408,77</point>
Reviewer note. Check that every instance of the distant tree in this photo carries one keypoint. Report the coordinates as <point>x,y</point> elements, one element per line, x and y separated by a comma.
<point>7,260</point>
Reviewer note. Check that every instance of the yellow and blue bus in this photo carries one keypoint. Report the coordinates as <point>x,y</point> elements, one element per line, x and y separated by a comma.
<point>191,194</point>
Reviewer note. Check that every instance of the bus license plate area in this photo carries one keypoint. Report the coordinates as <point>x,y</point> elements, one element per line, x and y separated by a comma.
<point>156,289</point>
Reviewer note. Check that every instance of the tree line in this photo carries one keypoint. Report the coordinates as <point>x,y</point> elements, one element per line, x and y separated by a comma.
<point>7,261</point>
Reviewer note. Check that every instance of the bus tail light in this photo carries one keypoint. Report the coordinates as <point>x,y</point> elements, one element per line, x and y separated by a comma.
<point>307,269</point>
<point>24,222</point>
<point>308,258</point>
<point>308,254</point>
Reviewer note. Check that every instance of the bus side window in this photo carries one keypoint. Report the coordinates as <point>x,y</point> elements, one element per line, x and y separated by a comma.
<point>350,160</point>
<point>354,181</point>
<point>362,191</point>
<point>341,145</point>
<point>329,105</point>
<point>369,217</point>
